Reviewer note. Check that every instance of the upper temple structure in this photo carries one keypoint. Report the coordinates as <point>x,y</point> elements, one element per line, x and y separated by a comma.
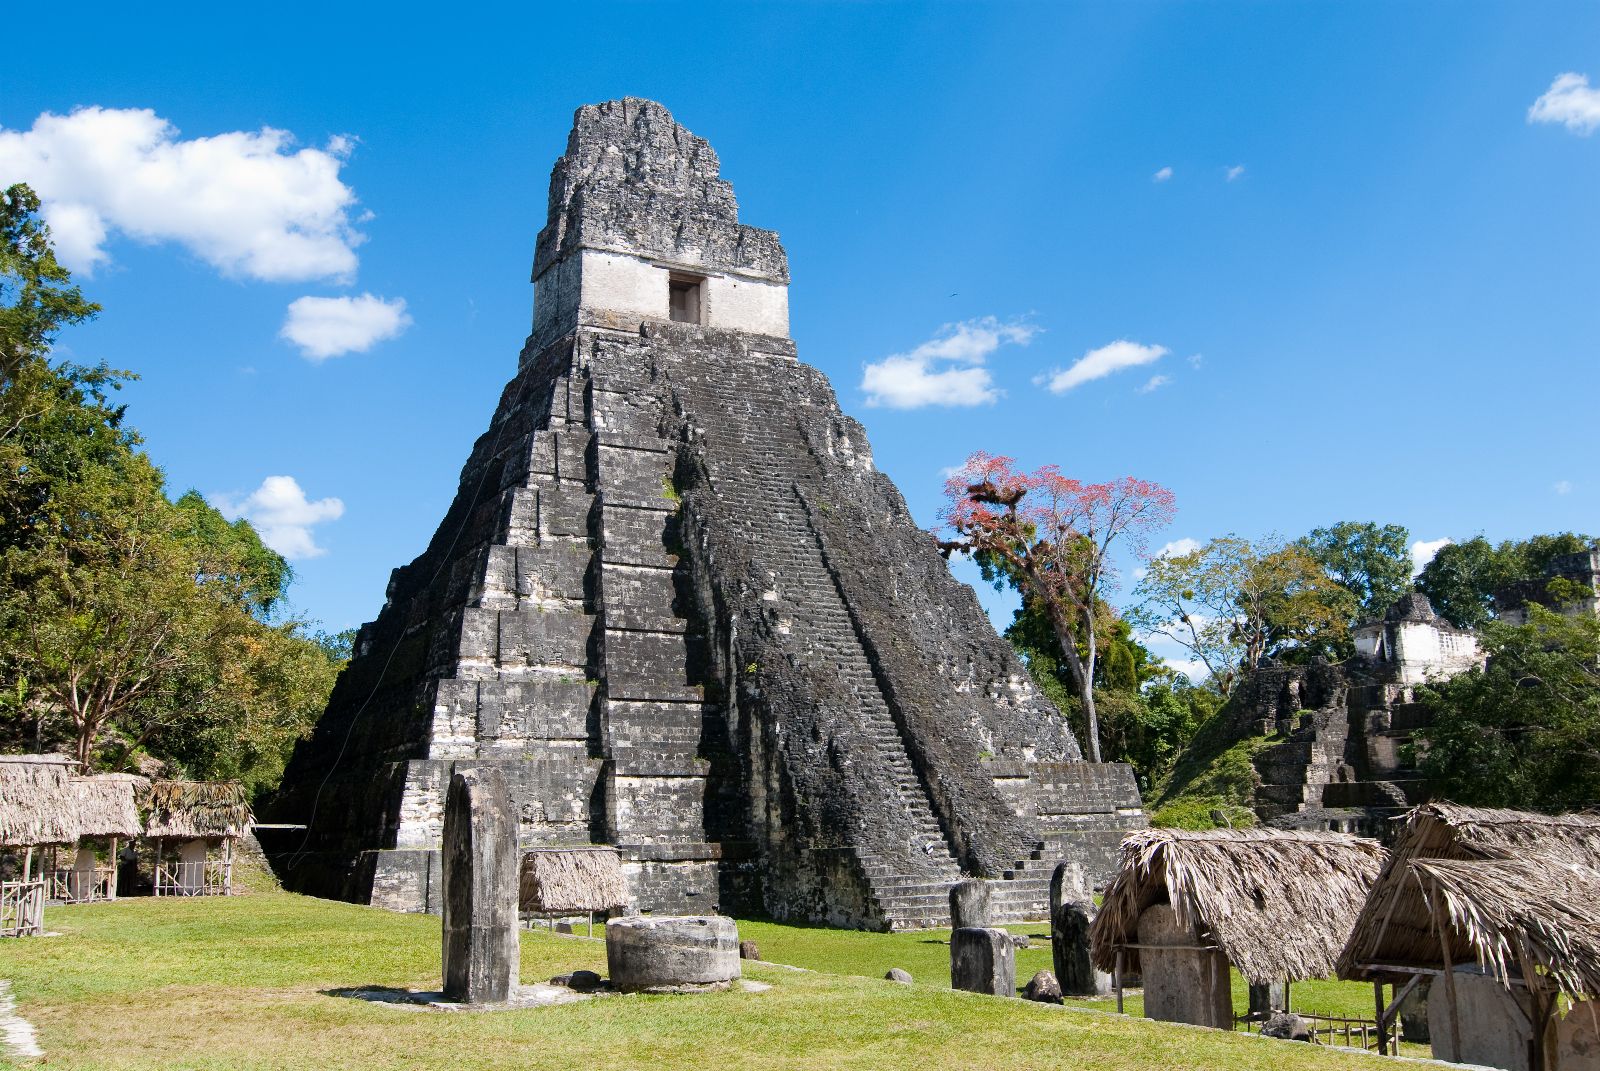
<point>678,607</point>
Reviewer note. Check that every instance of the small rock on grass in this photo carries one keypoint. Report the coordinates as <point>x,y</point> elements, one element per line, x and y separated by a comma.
<point>897,975</point>
<point>579,980</point>
<point>1288,1026</point>
<point>749,950</point>
<point>1043,988</point>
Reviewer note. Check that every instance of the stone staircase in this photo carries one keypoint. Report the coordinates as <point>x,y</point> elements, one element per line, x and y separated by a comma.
<point>1294,772</point>
<point>911,892</point>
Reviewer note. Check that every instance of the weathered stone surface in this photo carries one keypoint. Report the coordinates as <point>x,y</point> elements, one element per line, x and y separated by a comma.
<point>749,950</point>
<point>1286,1026</point>
<point>983,961</point>
<point>663,953</point>
<point>1068,885</point>
<point>681,611</point>
<point>1490,1022</point>
<point>1184,982</point>
<point>1069,952</point>
<point>971,904</point>
<point>481,952</point>
<point>1042,987</point>
<point>1266,999</point>
<point>895,974</point>
<point>1413,1013</point>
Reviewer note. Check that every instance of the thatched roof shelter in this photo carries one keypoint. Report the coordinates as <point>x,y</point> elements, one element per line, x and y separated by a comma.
<point>1509,890</point>
<point>1279,904</point>
<point>37,805</point>
<point>576,880</point>
<point>107,805</point>
<point>193,810</point>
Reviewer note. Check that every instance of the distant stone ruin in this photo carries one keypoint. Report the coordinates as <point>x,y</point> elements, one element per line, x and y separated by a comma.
<point>678,608</point>
<point>1343,763</point>
<point>1580,570</point>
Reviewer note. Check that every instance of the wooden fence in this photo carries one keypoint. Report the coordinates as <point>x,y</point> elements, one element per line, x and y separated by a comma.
<point>1331,1030</point>
<point>211,877</point>
<point>75,886</point>
<point>22,908</point>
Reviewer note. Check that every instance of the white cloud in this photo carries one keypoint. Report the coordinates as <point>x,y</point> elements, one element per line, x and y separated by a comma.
<point>245,202</point>
<point>1154,383</point>
<point>1235,171</point>
<point>945,370</point>
<point>1563,487</point>
<point>1101,362</point>
<point>1423,550</point>
<point>1169,550</point>
<point>1196,360</point>
<point>1178,548</point>
<point>1569,101</point>
<point>1161,176</point>
<point>326,327</point>
<point>280,513</point>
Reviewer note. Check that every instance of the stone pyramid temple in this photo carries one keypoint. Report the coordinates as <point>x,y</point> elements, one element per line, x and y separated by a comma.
<point>680,609</point>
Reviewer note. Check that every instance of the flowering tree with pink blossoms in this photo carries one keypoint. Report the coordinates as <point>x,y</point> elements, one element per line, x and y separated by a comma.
<point>1052,535</point>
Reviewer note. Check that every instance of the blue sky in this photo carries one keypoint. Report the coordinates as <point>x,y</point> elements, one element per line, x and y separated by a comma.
<point>1362,277</point>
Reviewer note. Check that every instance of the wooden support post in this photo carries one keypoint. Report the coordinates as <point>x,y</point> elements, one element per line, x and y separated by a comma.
<point>111,890</point>
<point>1450,989</point>
<point>1377,997</point>
<point>1116,980</point>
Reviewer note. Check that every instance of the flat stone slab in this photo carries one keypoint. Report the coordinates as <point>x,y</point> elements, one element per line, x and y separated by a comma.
<point>682,953</point>
<point>538,995</point>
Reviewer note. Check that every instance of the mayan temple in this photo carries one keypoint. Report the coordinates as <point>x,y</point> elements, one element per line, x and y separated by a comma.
<point>675,603</point>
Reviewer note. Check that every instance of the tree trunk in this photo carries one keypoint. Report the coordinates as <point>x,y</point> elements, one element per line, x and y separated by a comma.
<point>1086,689</point>
<point>1082,677</point>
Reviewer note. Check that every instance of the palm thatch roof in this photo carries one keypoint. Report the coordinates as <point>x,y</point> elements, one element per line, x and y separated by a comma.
<point>556,880</point>
<point>1277,903</point>
<point>195,809</point>
<point>37,805</point>
<point>1509,890</point>
<point>107,805</point>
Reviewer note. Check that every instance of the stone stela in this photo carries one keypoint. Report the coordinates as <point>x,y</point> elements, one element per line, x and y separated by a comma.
<point>678,608</point>
<point>482,954</point>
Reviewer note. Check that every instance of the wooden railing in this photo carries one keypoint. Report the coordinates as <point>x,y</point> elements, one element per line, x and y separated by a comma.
<point>22,908</point>
<point>212,877</point>
<point>1329,1030</point>
<point>75,886</point>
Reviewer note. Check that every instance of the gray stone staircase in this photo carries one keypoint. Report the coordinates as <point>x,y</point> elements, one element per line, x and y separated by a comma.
<point>911,890</point>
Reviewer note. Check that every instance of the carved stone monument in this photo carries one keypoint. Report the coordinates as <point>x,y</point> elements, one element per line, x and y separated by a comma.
<point>1069,952</point>
<point>481,951</point>
<point>1184,981</point>
<point>983,960</point>
<point>971,904</point>
<point>671,952</point>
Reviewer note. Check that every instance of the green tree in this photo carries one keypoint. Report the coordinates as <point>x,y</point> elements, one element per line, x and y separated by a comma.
<point>1233,602</point>
<point>1462,579</point>
<point>129,624</point>
<point>1051,536</point>
<point>1370,561</point>
<point>1524,730</point>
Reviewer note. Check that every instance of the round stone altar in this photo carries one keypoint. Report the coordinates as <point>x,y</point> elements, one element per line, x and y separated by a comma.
<point>681,952</point>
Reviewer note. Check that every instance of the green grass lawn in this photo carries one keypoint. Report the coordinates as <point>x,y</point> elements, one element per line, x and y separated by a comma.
<point>926,954</point>
<point>243,983</point>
